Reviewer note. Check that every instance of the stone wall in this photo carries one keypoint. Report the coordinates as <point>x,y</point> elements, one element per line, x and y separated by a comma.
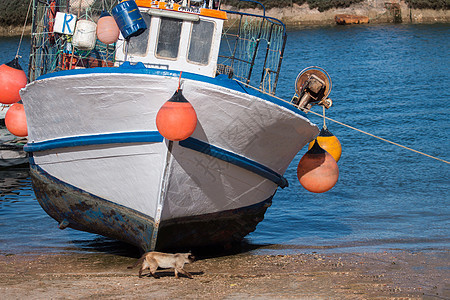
<point>374,9</point>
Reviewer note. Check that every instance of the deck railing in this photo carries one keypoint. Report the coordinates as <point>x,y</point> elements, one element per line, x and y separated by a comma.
<point>252,49</point>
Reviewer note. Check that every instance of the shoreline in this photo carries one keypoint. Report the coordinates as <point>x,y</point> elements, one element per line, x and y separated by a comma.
<point>14,31</point>
<point>387,275</point>
<point>376,10</point>
<point>297,16</point>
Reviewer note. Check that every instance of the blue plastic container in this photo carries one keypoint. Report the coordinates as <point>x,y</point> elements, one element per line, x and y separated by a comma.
<point>129,19</point>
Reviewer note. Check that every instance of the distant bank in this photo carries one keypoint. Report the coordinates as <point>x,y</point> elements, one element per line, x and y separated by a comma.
<point>14,30</point>
<point>378,11</point>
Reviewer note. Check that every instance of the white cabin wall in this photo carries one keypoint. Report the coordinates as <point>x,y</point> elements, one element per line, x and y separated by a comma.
<point>181,63</point>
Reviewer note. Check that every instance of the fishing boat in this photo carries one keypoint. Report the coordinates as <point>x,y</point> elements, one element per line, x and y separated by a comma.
<point>12,153</point>
<point>3,110</point>
<point>105,156</point>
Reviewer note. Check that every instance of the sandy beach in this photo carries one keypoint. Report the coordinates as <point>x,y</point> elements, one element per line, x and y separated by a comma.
<point>386,275</point>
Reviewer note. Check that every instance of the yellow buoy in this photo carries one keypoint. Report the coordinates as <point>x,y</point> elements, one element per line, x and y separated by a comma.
<point>328,142</point>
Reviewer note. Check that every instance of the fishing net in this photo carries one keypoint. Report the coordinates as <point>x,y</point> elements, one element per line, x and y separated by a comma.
<point>53,52</point>
<point>252,48</point>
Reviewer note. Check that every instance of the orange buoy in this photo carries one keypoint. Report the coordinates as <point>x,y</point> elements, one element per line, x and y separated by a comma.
<point>107,29</point>
<point>176,119</point>
<point>329,143</point>
<point>317,171</point>
<point>51,15</point>
<point>12,79</point>
<point>16,120</point>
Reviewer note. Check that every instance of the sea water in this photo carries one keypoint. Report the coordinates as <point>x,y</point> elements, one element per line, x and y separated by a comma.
<point>389,80</point>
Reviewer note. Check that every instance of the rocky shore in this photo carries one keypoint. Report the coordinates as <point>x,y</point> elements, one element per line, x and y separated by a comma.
<point>376,10</point>
<point>386,275</point>
<point>6,31</point>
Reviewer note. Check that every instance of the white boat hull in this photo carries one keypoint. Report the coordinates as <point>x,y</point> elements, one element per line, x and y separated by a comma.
<point>99,164</point>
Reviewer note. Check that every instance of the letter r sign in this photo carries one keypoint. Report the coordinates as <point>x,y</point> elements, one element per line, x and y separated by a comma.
<point>65,23</point>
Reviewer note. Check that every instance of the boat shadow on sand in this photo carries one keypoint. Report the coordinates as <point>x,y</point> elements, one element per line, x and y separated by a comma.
<point>110,246</point>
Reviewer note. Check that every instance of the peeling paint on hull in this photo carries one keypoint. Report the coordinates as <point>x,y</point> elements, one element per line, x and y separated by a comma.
<point>77,209</point>
<point>211,229</point>
<point>86,212</point>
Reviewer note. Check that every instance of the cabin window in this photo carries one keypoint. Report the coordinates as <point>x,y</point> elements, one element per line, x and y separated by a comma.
<point>201,40</point>
<point>169,38</point>
<point>138,44</point>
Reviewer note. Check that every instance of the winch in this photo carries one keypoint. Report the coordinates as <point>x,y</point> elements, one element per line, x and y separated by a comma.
<point>312,86</point>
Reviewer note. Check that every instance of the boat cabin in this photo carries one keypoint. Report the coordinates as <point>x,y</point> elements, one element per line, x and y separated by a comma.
<point>179,38</point>
<point>193,36</point>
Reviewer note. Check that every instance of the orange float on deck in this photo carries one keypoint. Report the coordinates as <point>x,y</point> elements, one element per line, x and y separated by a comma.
<point>12,79</point>
<point>107,29</point>
<point>329,143</point>
<point>16,120</point>
<point>176,119</point>
<point>317,171</point>
<point>51,15</point>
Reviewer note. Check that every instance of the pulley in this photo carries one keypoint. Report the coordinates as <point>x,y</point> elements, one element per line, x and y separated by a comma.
<point>312,86</point>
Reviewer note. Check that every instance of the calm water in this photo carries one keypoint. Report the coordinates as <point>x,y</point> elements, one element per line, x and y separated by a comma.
<point>391,81</point>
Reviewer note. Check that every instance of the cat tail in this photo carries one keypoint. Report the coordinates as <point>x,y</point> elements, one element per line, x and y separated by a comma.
<point>139,261</point>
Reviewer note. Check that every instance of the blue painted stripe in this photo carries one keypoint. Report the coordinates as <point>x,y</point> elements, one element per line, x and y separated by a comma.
<point>140,69</point>
<point>98,139</point>
<point>235,159</point>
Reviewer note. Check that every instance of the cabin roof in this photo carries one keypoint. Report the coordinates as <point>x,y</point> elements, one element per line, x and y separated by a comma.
<point>213,13</point>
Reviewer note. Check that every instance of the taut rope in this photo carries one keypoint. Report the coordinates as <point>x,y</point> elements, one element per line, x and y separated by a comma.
<point>351,127</point>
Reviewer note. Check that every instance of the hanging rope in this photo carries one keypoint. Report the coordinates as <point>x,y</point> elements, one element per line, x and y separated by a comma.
<point>351,127</point>
<point>266,83</point>
<point>179,81</point>
<point>23,29</point>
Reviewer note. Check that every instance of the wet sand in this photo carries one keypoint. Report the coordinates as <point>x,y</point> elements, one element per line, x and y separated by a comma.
<point>387,275</point>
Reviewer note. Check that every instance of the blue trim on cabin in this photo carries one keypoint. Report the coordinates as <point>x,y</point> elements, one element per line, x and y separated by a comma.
<point>140,69</point>
<point>235,159</point>
<point>97,139</point>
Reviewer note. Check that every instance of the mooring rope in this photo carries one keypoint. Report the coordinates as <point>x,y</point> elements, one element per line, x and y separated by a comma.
<point>380,138</point>
<point>351,127</point>
<point>23,29</point>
